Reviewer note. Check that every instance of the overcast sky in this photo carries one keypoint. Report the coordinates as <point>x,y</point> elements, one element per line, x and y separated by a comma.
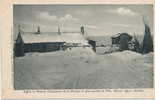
<point>97,19</point>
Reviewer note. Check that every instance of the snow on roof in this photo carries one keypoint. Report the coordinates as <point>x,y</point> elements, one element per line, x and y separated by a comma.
<point>117,35</point>
<point>68,38</point>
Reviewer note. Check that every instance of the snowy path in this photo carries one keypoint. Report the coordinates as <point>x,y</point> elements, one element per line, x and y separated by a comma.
<point>83,70</point>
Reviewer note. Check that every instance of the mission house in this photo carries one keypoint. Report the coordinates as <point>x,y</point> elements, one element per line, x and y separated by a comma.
<point>42,42</point>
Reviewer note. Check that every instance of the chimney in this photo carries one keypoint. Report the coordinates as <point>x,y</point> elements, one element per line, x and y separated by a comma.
<point>59,30</point>
<point>82,30</point>
<point>38,30</point>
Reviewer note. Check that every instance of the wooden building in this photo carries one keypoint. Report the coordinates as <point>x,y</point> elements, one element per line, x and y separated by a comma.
<point>121,40</point>
<point>43,47</point>
<point>42,42</point>
<point>93,44</point>
<point>27,42</point>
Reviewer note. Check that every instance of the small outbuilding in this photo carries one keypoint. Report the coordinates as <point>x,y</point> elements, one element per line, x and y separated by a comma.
<point>93,44</point>
<point>121,40</point>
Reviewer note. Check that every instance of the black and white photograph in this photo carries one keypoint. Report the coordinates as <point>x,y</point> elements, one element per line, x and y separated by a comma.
<point>79,46</point>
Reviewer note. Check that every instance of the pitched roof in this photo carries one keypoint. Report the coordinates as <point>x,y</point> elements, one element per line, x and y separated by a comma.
<point>119,34</point>
<point>116,35</point>
<point>39,38</point>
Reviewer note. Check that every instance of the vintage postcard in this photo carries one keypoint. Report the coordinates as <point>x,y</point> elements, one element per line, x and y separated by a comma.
<point>77,49</point>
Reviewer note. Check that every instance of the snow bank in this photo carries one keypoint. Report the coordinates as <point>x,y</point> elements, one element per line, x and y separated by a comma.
<point>149,54</point>
<point>102,50</point>
<point>75,51</point>
<point>81,68</point>
<point>148,58</point>
<point>126,55</point>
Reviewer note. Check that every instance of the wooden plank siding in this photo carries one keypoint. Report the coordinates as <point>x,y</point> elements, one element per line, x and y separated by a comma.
<point>43,47</point>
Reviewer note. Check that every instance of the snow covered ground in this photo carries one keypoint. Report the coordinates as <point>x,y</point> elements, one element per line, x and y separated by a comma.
<point>81,68</point>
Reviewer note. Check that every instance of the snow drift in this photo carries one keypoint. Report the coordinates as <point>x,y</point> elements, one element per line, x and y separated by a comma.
<point>81,68</point>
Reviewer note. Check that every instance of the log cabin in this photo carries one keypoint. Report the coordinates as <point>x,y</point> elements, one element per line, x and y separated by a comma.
<point>121,40</point>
